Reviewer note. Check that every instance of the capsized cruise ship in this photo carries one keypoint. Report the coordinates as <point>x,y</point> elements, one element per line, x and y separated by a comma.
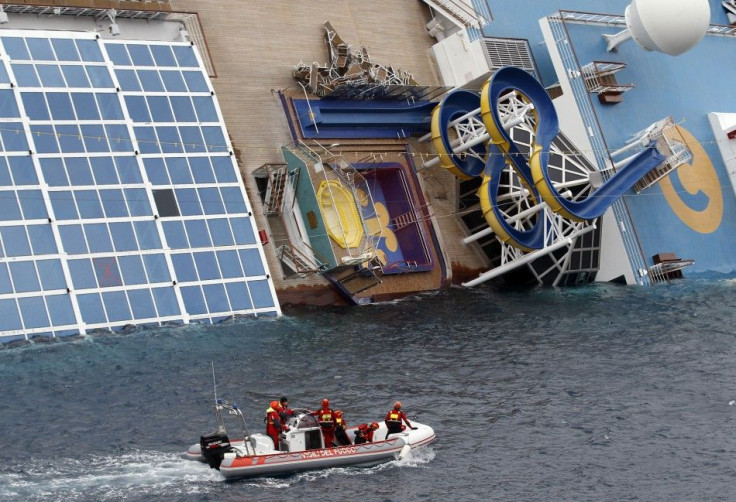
<point>171,162</point>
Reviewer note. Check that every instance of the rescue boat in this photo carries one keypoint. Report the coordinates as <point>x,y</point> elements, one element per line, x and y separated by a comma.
<point>301,448</point>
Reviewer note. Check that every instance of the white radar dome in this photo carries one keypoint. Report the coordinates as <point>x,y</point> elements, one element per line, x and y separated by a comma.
<point>669,26</point>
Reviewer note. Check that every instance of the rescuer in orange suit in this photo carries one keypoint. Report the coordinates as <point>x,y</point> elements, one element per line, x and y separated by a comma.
<point>364,434</point>
<point>395,420</point>
<point>326,418</point>
<point>274,425</point>
<point>340,427</point>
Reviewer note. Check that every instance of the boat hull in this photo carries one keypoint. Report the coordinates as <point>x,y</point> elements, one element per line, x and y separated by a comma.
<point>233,467</point>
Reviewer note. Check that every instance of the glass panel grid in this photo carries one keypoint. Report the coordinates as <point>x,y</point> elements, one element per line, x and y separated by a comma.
<point>100,254</point>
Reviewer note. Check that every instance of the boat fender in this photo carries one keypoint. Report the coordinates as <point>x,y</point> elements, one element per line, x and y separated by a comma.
<point>404,452</point>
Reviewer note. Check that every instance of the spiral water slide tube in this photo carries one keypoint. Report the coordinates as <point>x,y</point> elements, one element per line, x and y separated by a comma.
<point>533,173</point>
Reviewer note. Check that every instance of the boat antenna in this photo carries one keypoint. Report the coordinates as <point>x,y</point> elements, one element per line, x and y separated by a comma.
<point>214,380</point>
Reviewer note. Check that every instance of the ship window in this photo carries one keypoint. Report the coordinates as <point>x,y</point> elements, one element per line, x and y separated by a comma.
<point>179,171</point>
<point>33,311</point>
<point>206,265</point>
<point>82,275</point>
<point>100,77</point>
<point>243,231</point>
<point>229,264</point>
<point>63,205</point>
<point>123,237</point>
<point>261,294</point>
<point>147,235</point>
<point>75,76</point>
<point>169,140</point>
<point>137,108</point>
<point>9,209</point>
<point>175,236</point>
<point>24,276</point>
<point>156,268</point>
<point>107,272</point>
<point>211,200</point>
<point>117,53</point>
<point>14,139</point>
<point>41,49</point>
<point>162,55</point>
<point>72,239</point>
<point>16,48</point>
<point>188,201</point>
<point>94,138</point>
<point>137,202</point>
<point>89,50</point>
<point>173,81</point>
<point>233,198</point>
<point>150,81</point>
<point>25,74</point>
<point>224,171</point>
<point>127,80</point>
<point>60,105</point>
<point>132,271</point>
<point>193,300</point>
<point>184,267</point>
<point>65,49</point>
<point>197,233</point>
<point>142,304</point>
<point>8,106</point>
<point>252,262</point>
<point>35,105</point>
<point>140,55</point>
<point>165,203</point>
<point>166,302</point>
<point>113,202</point>
<point>128,170</point>
<point>50,75</point>
<point>15,241</point>
<point>239,297</point>
<point>98,237</point>
<point>195,81</point>
<point>103,171</point>
<point>220,230</point>
<point>214,139</point>
<point>90,306</point>
<point>9,316</point>
<point>116,305</point>
<point>185,56</point>
<point>42,239</point>
<point>119,139</point>
<point>85,106</point>
<point>183,109</point>
<point>60,309</point>
<point>70,140</point>
<point>79,172</point>
<point>191,136</point>
<point>216,298</point>
<point>51,274</point>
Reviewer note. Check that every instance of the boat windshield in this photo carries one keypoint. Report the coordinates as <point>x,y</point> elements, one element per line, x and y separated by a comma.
<point>307,422</point>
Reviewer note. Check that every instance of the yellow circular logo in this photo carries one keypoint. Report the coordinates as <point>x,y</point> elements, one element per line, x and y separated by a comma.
<point>698,179</point>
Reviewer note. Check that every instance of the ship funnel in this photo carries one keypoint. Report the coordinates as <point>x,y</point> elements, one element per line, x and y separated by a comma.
<point>669,26</point>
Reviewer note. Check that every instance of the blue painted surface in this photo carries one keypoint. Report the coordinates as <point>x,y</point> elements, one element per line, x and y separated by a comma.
<point>329,118</point>
<point>686,88</point>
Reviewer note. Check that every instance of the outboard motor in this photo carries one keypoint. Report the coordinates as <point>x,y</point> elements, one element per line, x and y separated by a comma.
<point>214,446</point>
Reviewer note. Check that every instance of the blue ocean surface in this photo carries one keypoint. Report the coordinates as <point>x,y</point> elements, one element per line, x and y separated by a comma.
<point>601,392</point>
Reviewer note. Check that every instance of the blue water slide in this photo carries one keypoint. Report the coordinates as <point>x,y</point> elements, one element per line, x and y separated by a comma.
<point>335,118</point>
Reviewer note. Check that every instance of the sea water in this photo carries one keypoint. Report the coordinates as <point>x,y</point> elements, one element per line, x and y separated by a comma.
<point>595,393</point>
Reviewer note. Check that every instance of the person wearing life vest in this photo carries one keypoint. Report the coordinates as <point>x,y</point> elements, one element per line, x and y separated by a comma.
<point>285,412</point>
<point>340,425</point>
<point>274,425</point>
<point>326,418</point>
<point>395,420</point>
<point>364,434</point>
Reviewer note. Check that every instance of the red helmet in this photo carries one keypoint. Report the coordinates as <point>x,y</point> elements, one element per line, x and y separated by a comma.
<point>325,403</point>
<point>274,404</point>
<point>397,405</point>
<point>374,425</point>
<point>338,413</point>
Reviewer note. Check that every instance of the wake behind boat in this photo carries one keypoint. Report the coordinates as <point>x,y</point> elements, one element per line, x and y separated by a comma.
<point>301,448</point>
